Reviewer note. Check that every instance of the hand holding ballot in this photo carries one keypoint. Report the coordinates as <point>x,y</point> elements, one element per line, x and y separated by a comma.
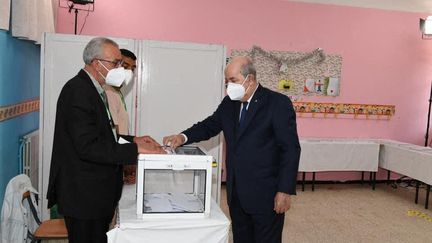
<point>147,139</point>
<point>174,141</point>
<point>147,145</point>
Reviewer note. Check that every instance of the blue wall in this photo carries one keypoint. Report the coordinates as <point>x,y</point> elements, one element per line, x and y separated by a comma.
<point>19,81</point>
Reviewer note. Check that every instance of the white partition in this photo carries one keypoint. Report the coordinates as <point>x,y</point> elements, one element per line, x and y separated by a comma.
<point>166,72</point>
<point>180,84</point>
<point>61,59</point>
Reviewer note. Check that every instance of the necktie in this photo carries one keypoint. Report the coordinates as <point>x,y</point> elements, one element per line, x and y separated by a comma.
<point>243,115</point>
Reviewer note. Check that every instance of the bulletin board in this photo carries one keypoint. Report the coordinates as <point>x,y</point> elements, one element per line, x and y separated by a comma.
<point>296,73</point>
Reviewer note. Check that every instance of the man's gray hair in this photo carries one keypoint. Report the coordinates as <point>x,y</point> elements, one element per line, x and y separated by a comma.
<point>94,49</point>
<point>248,68</point>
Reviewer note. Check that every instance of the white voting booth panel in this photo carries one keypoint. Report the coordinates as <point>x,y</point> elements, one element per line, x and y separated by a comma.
<point>181,84</point>
<point>61,59</point>
<point>160,100</point>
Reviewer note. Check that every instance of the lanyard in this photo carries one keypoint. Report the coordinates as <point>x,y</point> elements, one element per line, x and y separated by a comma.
<point>103,96</point>
<point>122,99</point>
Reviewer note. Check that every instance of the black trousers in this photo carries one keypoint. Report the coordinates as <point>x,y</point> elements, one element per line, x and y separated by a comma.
<point>87,230</point>
<point>254,227</point>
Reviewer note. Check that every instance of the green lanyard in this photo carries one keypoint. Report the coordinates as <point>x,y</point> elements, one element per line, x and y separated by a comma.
<point>105,101</point>
<point>122,99</point>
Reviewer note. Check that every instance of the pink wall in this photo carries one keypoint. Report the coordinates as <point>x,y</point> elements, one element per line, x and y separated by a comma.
<point>385,61</point>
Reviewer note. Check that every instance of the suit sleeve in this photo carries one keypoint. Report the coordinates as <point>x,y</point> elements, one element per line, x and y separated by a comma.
<point>285,130</point>
<point>91,134</point>
<point>128,138</point>
<point>206,129</point>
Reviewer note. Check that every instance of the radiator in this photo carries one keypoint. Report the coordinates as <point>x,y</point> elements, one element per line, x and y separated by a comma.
<point>29,157</point>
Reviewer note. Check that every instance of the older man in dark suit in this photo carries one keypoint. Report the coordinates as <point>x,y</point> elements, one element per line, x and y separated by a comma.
<point>86,175</point>
<point>263,152</point>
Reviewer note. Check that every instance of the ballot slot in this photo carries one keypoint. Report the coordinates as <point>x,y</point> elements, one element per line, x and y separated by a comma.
<point>187,150</point>
<point>174,185</point>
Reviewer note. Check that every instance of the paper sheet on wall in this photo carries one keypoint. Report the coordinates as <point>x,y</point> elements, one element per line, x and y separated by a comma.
<point>309,77</point>
<point>333,87</point>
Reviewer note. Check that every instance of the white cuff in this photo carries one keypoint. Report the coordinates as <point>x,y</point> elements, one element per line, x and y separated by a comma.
<point>185,137</point>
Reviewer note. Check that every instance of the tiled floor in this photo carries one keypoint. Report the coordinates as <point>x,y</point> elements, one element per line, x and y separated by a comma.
<point>355,213</point>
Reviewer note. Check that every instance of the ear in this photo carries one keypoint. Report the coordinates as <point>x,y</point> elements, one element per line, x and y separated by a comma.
<point>95,64</point>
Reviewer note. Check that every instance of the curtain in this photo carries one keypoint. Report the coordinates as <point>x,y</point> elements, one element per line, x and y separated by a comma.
<point>31,18</point>
<point>4,14</point>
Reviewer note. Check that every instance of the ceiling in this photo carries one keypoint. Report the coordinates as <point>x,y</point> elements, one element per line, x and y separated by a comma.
<point>418,6</point>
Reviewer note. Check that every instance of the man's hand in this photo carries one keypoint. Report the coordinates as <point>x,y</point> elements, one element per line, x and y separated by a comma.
<point>129,174</point>
<point>145,139</point>
<point>147,145</point>
<point>174,141</point>
<point>282,202</point>
<point>129,180</point>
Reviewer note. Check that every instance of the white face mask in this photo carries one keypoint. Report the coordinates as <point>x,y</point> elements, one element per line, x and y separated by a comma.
<point>129,76</point>
<point>115,76</point>
<point>236,91</point>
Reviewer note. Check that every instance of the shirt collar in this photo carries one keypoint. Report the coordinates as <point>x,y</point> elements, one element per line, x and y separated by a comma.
<point>250,98</point>
<point>95,83</point>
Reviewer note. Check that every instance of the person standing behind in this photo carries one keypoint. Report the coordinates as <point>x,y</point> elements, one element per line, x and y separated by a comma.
<point>117,107</point>
<point>86,176</point>
<point>263,152</point>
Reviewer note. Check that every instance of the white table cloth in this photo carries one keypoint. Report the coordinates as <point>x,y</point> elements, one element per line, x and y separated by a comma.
<point>338,155</point>
<point>213,229</point>
<point>407,159</point>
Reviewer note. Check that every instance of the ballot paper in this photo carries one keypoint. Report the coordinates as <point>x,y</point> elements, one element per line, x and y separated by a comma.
<point>156,202</point>
<point>186,202</point>
<point>167,203</point>
<point>122,141</point>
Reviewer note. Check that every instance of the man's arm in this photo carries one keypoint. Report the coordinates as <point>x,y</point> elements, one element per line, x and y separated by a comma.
<point>83,123</point>
<point>285,127</point>
<point>203,130</point>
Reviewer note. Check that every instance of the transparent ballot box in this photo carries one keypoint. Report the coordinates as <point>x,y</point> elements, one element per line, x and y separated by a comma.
<point>177,184</point>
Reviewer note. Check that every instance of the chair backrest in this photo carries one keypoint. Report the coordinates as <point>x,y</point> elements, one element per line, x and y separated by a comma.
<point>50,229</point>
<point>27,196</point>
<point>16,216</point>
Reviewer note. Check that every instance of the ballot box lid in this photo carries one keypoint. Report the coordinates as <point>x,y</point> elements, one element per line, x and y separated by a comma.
<point>183,153</point>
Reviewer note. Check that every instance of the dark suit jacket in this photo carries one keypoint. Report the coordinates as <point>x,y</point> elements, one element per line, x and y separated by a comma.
<point>86,165</point>
<point>263,158</point>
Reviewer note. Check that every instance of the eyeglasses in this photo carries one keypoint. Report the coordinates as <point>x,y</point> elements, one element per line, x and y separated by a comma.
<point>117,63</point>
